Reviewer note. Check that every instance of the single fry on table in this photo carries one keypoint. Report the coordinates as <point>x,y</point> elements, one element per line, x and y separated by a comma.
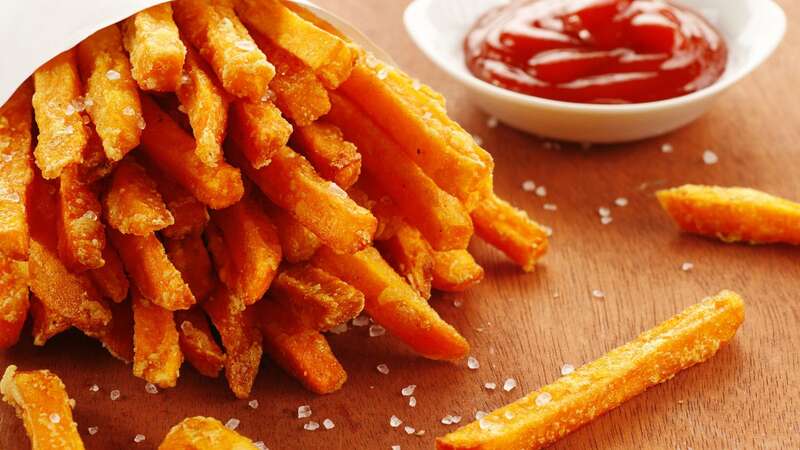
<point>334,158</point>
<point>156,51</point>
<point>81,233</point>
<point>157,356</point>
<point>259,130</point>
<point>203,433</point>
<point>455,271</point>
<point>198,344</point>
<point>133,204</point>
<point>657,355</point>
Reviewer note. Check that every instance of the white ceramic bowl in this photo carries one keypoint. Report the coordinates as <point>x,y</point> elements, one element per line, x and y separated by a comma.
<point>752,28</point>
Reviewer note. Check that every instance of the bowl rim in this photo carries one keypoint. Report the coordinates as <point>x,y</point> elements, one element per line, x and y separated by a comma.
<point>727,80</point>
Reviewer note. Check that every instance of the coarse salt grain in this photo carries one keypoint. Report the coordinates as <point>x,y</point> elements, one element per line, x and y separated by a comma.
<point>113,75</point>
<point>480,414</point>
<point>484,424</point>
<point>114,395</point>
<point>311,426</point>
<point>710,158</point>
<point>55,418</point>
<point>412,401</point>
<point>547,230</point>
<point>383,368</point>
<point>70,110</point>
<point>150,388</point>
<point>253,404</point>
<point>567,369</point>
<point>543,399</point>
<point>92,430</point>
<point>509,384</point>
<point>339,329</point>
<point>455,419</point>
<point>508,415</point>
<point>541,191</point>
<point>328,424</point>
<point>408,390</point>
<point>303,411</point>
<point>376,330</point>
<point>597,293</point>
<point>458,303</point>
<point>383,73</point>
<point>621,202</point>
<point>409,430</point>
<point>687,266</point>
<point>606,220</point>
<point>550,207</point>
<point>260,445</point>
<point>447,420</point>
<point>528,186</point>
<point>361,321</point>
<point>478,140</point>
<point>395,447</point>
<point>395,421</point>
<point>94,388</point>
<point>130,112</point>
<point>473,363</point>
<point>604,212</point>
<point>141,123</point>
<point>232,423</point>
<point>139,438</point>
<point>416,85</point>
<point>490,385</point>
<point>667,148</point>
<point>492,122</point>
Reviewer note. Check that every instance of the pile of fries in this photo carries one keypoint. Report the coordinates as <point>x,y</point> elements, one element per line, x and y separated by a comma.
<point>238,166</point>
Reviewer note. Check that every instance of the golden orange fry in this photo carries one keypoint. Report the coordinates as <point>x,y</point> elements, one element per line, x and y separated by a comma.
<point>197,342</point>
<point>133,204</point>
<point>394,304</point>
<point>45,323</point>
<point>318,299</point>
<point>62,134</point>
<point>112,93</point>
<point>455,271</point>
<point>152,272</point>
<point>300,350</point>
<point>240,337</point>
<point>118,337</point>
<point>439,216</point>
<point>331,58</point>
<point>334,158</point>
<point>170,148</point>
<point>189,213</point>
<point>252,249</point>
<point>370,196</point>
<point>95,165</point>
<point>17,171</point>
<point>81,234</point>
<point>511,231</point>
<point>156,51</point>
<point>110,279</point>
<point>306,14</point>
<point>213,27</point>
<point>157,356</point>
<point>298,243</point>
<point>14,301</point>
<point>412,257</point>
<point>733,214</point>
<point>657,355</point>
<point>203,433</point>
<point>206,104</point>
<point>190,257</point>
<point>41,401</point>
<point>291,183</point>
<point>259,131</point>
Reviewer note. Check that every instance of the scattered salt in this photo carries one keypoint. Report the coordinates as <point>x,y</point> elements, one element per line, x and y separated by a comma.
<point>710,158</point>
<point>667,148</point>
<point>492,122</point>
<point>55,418</point>
<point>328,424</point>
<point>383,73</point>
<point>395,447</point>
<point>150,388</point>
<point>253,404</point>
<point>473,363</point>
<point>478,140</point>
<point>113,75</point>
<point>395,421</point>
<point>541,191</point>
<point>383,368</point>
<point>408,390</point>
<point>547,230</point>
<point>376,330</point>
<point>606,220</point>
<point>114,394</point>
<point>141,123</point>
<point>70,110</point>
<point>687,266</point>
<point>550,207</point>
<point>361,321</point>
<point>509,384</point>
<point>509,415</point>
<point>130,112</point>
<point>303,412</point>
<point>91,215</point>
<point>94,388</point>
<point>416,85</point>
<point>139,438</point>
<point>185,79</point>
<point>597,293</point>
<point>621,202</point>
<point>232,423</point>
<point>528,186</point>
<point>480,414</point>
<point>412,401</point>
<point>489,385</point>
<point>260,445</point>
<point>604,212</point>
<point>458,303</point>
<point>567,369</point>
<point>92,430</point>
<point>409,430</point>
<point>311,426</point>
<point>543,399</point>
<point>339,329</point>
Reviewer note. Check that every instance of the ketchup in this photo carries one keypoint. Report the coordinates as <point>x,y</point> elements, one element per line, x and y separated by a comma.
<point>596,51</point>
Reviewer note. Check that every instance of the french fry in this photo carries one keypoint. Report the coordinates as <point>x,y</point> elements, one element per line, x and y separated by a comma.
<point>190,257</point>
<point>14,301</point>
<point>156,51</point>
<point>733,214</point>
<point>133,204</point>
<point>118,337</point>
<point>331,58</point>
<point>206,104</point>
<point>455,271</point>
<point>334,158</point>
<point>45,323</point>
<point>439,216</point>
<point>298,243</point>
<point>318,299</point>
<point>511,231</point>
<point>81,234</point>
<point>412,257</point>
<point>252,250</point>
<point>548,414</point>
<point>240,337</point>
<point>418,122</point>
<point>15,149</point>
<point>299,94</point>
<point>152,272</point>
<point>213,28</point>
<point>203,433</point>
<point>157,356</point>
<point>189,213</point>
<point>110,279</point>
<point>41,401</point>
<point>197,343</point>
<point>95,165</point>
<point>62,135</point>
<point>313,18</point>
<point>301,351</point>
<point>291,183</point>
<point>368,195</point>
<point>168,146</point>
<point>259,131</point>
<point>114,107</point>
<point>394,304</point>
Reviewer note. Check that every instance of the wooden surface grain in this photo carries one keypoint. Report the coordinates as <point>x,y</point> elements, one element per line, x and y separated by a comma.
<point>526,326</point>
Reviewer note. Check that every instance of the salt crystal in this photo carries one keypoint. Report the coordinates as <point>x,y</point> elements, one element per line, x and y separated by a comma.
<point>383,73</point>
<point>550,207</point>
<point>604,212</point>
<point>687,266</point>
<point>473,363</point>
<point>408,390</point>
<point>509,384</point>
<point>141,123</point>
<point>376,330</point>
<point>253,404</point>
<point>478,140</point>
<point>480,414</point>
<point>509,415</point>
<point>114,395</point>
<point>232,423</point>
<point>395,421</point>
<point>113,75</point>
<point>543,399</point>
<point>412,401</point>
<point>94,388</point>
<point>606,220</point>
<point>303,411</point>
<point>339,329</point>
<point>567,369</point>
<point>90,215</point>
<point>528,186</point>
<point>455,419</point>
<point>541,191</point>
<point>260,445</point>
<point>597,293</point>
<point>420,433</point>
<point>150,388</point>
<point>710,158</point>
<point>139,438</point>
<point>416,85</point>
<point>447,420</point>
<point>70,110</point>
<point>409,430</point>
<point>185,79</point>
<point>492,122</point>
<point>371,61</point>
<point>383,368</point>
<point>245,45</point>
<point>458,303</point>
<point>621,202</point>
<point>328,424</point>
<point>130,112</point>
<point>92,430</point>
<point>490,385</point>
<point>484,424</point>
<point>311,426</point>
<point>547,230</point>
<point>361,321</point>
<point>87,103</point>
<point>667,148</point>
<point>55,418</point>
<point>395,447</point>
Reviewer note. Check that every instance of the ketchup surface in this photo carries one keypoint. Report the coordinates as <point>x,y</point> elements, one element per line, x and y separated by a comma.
<point>596,51</point>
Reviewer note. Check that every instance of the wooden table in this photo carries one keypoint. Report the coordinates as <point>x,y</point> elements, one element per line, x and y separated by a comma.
<point>527,326</point>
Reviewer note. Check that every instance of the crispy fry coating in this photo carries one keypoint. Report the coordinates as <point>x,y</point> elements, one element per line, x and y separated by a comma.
<point>62,135</point>
<point>133,204</point>
<point>394,304</point>
<point>334,158</point>
<point>511,231</point>
<point>17,171</point>
<point>95,165</point>
<point>190,257</point>
<point>189,213</point>
<point>439,216</point>
<point>418,121</point>
<point>330,57</point>
<point>203,433</point>
<point>657,355</point>
<point>41,401</point>
<point>298,243</point>
<point>152,272</point>
<point>367,194</point>
<point>110,279</point>
<point>206,104</point>
<point>240,337</point>
<point>45,323</point>
<point>299,94</point>
<point>81,234</point>
<point>300,350</point>
<point>321,206</point>
<point>157,356</point>
<point>318,299</point>
<point>733,214</point>
<point>252,249</point>
<point>412,257</point>
<point>114,107</point>
<point>167,146</point>
<point>197,343</point>
<point>156,51</point>
<point>259,131</point>
<point>13,300</point>
<point>455,271</point>
<point>213,27</point>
